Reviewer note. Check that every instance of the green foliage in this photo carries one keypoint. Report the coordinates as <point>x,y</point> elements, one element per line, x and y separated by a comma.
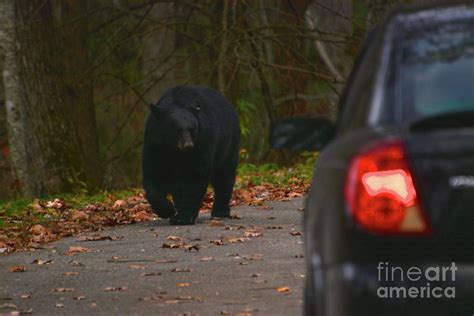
<point>246,112</point>
<point>23,207</point>
<point>274,174</point>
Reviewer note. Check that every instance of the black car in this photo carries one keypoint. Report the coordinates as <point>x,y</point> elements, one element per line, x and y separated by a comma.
<point>389,220</point>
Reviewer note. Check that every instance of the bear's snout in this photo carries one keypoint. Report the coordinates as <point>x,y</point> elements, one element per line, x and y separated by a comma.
<point>185,141</point>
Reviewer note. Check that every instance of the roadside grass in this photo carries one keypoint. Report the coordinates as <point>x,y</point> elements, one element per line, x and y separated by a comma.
<point>19,212</point>
<point>28,223</point>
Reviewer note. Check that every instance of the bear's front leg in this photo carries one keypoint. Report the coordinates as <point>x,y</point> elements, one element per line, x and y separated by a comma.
<point>156,196</point>
<point>188,201</point>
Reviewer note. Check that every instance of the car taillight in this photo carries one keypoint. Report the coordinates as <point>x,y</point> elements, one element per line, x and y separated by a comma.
<point>381,194</point>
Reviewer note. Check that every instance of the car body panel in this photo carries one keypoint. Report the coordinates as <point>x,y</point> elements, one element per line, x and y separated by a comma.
<point>341,257</point>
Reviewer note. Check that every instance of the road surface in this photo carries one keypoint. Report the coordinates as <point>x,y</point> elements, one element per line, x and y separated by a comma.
<point>248,266</point>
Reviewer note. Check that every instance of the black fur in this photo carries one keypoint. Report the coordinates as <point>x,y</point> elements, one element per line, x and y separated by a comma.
<point>191,139</point>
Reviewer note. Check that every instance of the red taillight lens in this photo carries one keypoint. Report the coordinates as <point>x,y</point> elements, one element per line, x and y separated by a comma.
<point>380,192</point>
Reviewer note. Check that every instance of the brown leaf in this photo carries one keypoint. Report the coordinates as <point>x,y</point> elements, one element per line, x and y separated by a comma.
<point>172,245</point>
<point>254,256</point>
<point>233,240</point>
<point>63,289</point>
<point>97,238</point>
<point>283,289</point>
<point>38,229</point>
<point>234,227</point>
<point>295,233</point>
<point>274,227</point>
<point>137,267</point>
<point>115,288</point>
<point>59,305</point>
<point>253,233</point>
<point>78,249</point>
<point>218,242</point>
<point>206,259</point>
<point>25,296</point>
<point>183,284</point>
<point>150,274</point>
<point>216,223</point>
<point>191,247</point>
<point>41,262</point>
<point>120,203</point>
<point>174,238</point>
<point>75,263</point>
<point>165,261</point>
<point>70,273</point>
<point>16,269</point>
<point>181,270</point>
<point>79,298</point>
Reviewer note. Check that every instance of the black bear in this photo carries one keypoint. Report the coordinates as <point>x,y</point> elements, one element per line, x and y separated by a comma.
<point>191,139</point>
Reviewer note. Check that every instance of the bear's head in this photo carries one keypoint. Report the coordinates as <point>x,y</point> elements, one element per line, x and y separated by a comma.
<point>178,125</point>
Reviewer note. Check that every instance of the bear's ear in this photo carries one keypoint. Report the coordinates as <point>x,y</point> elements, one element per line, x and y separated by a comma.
<point>156,111</point>
<point>195,107</point>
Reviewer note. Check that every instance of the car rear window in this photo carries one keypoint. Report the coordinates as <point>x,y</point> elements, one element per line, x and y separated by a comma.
<point>437,71</point>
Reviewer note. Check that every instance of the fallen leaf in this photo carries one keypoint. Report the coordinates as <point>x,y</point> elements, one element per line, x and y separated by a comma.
<point>59,305</point>
<point>237,239</point>
<point>73,250</point>
<point>206,259</point>
<point>183,284</point>
<point>137,267</point>
<point>63,289</point>
<point>235,217</point>
<point>115,288</point>
<point>172,301</point>
<point>172,245</point>
<point>283,289</point>
<point>274,227</point>
<point>254,256</point>
<point>79,298</point>
<point>190,247</point>
<point>57,203</point>
<point>218,242</point>
<point>165,261</point>
<point>150,274</point>
<point>255,275</point>
<point>16,269</point>
<point>38,229</point>
<point>41,262</point>
<point>181,270</point>
<point>295,233</point>
<point>98,238</point>
<point>253,233</point>
<point>234,227</point>
<point>25,296</point>
<point>216,223</point>
<point>70,273</point>
<point>120,203</point>
<point>75,263</point>
<point>174,238</point>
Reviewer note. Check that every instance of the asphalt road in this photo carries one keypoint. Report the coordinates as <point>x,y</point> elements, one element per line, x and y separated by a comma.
<point>258,270</point>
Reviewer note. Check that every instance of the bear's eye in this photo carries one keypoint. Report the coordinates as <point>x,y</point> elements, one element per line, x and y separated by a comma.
<point>195,107</point>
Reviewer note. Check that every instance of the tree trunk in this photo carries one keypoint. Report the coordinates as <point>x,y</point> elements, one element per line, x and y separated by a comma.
<point>77,75</point>
<point>159,50</point>
<point>46,149</point>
